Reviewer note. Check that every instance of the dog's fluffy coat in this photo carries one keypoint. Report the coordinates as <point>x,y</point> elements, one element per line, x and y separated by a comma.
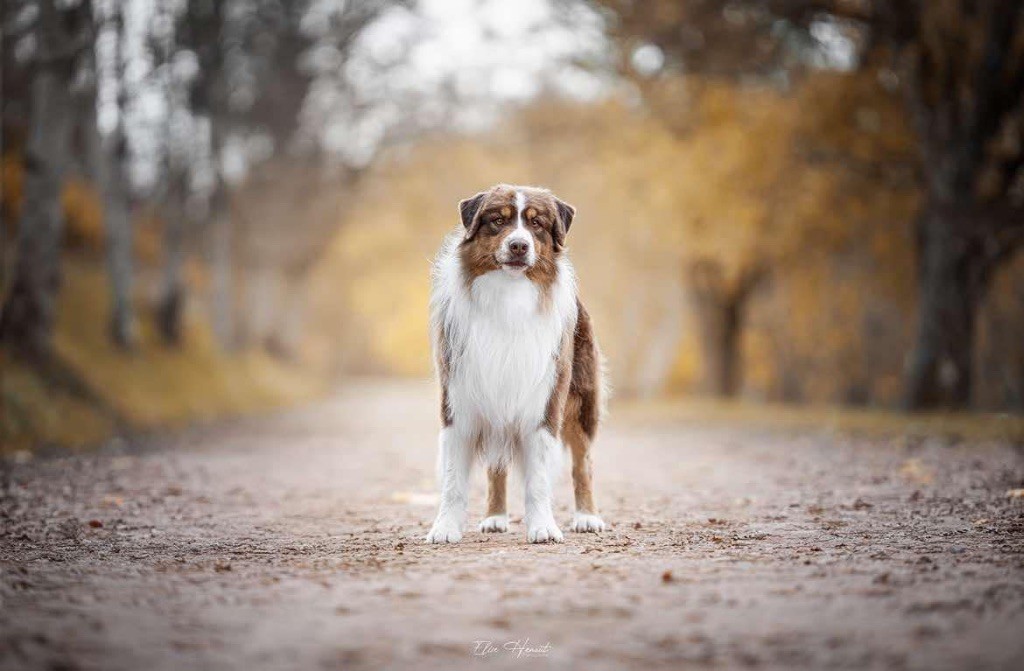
<point>517,361</point>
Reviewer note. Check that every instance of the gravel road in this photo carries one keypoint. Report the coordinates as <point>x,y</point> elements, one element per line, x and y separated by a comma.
<point>295,542</point>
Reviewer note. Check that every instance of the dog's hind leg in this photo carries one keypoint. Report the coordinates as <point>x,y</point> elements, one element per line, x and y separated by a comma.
<point>585,518</point>
<point>582,415</point>
<point>497,513</point>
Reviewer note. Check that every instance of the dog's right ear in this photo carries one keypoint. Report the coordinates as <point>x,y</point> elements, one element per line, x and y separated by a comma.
<point>468,210</point>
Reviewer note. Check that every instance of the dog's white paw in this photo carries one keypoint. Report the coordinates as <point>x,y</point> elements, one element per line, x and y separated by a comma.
<point>586,523</point>
<point>444,531</point>
<point>544,532</point>
<point>494,523</point>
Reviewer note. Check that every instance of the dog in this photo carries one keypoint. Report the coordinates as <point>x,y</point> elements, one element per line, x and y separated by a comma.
<point>518,364</point>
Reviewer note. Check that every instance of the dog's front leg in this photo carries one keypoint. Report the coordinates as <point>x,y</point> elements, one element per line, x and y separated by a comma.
<point>454,462</point>
<point>542,458</point>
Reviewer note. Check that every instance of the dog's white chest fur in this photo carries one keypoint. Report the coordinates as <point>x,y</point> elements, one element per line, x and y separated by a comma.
<point>505,370</point>
<point>503,337</point>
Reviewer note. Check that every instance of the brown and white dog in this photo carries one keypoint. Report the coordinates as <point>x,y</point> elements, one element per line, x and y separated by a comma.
<point>518,363</point>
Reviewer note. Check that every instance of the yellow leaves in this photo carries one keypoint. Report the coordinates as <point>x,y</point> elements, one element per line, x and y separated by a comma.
<point>397,311</point>
<point>12,187</point>
<point>757,353</point>
<point>854,114</point>
<point>157,385</point>
<point>34,412</point>
<point>746,176</point>
<point>148,235</point>
<point>733,166</point>
<point>83,209</point>
<point>687,366</point>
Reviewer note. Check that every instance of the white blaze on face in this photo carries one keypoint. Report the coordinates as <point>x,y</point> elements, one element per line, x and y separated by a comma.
<point>519,233</point>
<point>520,206</point>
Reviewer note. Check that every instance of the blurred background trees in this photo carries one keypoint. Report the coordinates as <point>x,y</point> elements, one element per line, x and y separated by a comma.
<point>960,69</point>
<point>62,39</point>
<point>211,91</point>
<point>787,200</point>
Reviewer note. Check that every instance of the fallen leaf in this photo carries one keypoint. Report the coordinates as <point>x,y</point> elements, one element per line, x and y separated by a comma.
<point>667,576</point>
<point>415,498</point>
<point>915,471</point>
<point>96,524</point>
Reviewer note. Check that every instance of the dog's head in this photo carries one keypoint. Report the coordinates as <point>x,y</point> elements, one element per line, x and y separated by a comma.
<point>519,229</point>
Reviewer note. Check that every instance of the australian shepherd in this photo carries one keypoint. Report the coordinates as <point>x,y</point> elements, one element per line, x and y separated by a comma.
<point>519,367</point>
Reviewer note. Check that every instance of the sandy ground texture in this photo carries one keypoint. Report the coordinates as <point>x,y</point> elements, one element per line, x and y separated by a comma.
<point>295,542</point>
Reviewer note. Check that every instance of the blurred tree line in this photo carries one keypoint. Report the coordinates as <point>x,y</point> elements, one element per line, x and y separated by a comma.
<point>756,220</point>
<point>189,112</point>
<point>959,67</point>
<point>772,190</point>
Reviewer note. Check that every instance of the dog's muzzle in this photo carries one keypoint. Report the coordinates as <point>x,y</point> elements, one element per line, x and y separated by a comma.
<point>517,251</point>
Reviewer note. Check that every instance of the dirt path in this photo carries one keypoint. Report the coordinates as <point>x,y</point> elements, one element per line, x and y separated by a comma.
<point>294,543</point>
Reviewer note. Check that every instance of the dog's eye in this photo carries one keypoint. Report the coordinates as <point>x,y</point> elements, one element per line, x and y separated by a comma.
<point>498,222</point>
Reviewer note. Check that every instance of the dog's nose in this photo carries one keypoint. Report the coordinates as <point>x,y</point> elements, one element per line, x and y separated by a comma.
<point>518,247</point>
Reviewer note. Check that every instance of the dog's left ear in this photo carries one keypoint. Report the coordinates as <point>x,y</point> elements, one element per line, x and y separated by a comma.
<point>468,210</point>
<point>565,214</point>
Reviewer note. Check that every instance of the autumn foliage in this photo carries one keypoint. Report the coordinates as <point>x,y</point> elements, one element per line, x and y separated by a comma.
<point>804,219</point>
<point>800,201</point>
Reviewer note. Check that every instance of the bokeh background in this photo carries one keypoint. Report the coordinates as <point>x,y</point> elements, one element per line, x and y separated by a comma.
<point>212,208</point>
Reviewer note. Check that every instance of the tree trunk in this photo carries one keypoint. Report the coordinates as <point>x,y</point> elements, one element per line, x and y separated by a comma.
<point>117,211</point>
<point>721,307</point>
<point>963,102</point>
<point>107,158</point>
<point>952,282</point>
<point>223,262</point>
<point>117,220</point>
<point>172,296</point>
<point>719,325</point>
<point>28,317</point>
